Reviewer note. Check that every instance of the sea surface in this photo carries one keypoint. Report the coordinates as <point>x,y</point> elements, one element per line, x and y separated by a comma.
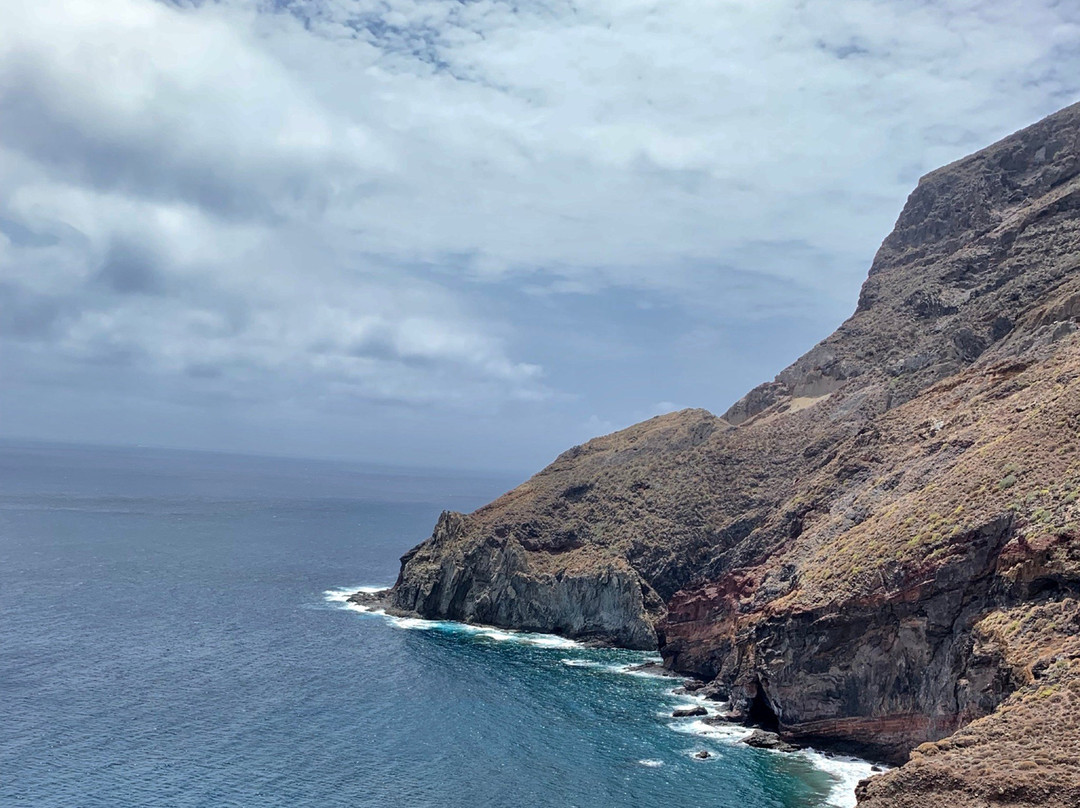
<point>173,633</point>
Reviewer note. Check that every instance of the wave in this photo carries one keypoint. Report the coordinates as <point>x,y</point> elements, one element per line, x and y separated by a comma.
<point>342,593</point>
<point>621,668</point>
<point>725,733</point>
<point>489,632</point>
<point>582,663</point>
<point>635,669</point>
<point>340,596</point>
<point>845,772</point>
<point>624,668</point>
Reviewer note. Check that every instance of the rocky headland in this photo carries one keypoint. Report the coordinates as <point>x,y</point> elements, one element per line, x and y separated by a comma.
<point>878,551</point>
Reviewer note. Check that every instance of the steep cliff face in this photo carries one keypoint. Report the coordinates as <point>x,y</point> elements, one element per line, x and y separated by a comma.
<point>862,629</point>
<point>848,549</point>
<point>616,517</point>
<point>496,583</point>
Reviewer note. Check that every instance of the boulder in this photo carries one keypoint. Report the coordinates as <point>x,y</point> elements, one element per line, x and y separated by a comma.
<point>688,712</point>
<point>762,739</point>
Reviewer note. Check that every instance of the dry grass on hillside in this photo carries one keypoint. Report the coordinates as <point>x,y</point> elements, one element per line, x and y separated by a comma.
<point>1025,754</point>
<point>991,442</point>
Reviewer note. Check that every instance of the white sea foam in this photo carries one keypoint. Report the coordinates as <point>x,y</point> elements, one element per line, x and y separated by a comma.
<point>846,773</point>
<point>504,635</point>
<point>592,664</point>
<point>501,636</point>
<point>549,641</point>
<point>341,595</point>
<point>413,623</point>
<point>726,733</point>
<point>634,669</point>
<point>584,663</point>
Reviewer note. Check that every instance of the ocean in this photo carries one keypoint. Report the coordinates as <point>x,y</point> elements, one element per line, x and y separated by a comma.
<point>174,633</point>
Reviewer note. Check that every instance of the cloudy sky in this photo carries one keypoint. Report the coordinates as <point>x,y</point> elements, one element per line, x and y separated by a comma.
<point>464,233</point>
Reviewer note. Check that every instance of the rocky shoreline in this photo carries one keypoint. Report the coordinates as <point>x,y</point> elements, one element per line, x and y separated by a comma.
<point>877,552</point>
<point>374,601</point>
<point>703,702</point>
<point>718,714</point>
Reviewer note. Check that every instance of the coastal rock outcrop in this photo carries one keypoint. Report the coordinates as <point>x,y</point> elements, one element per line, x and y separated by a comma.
<point>763,739</point>
<point>877,551</point>
<point>495,582</point>
<point>688,712</point>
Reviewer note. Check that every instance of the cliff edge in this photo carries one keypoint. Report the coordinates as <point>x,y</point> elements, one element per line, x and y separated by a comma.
<point>880,549</point>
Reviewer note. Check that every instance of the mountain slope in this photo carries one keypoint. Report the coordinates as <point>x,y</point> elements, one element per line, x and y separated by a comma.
<point>877,548</point>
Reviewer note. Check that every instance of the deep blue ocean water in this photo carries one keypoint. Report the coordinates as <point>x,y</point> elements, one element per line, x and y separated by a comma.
<point>170,635</point>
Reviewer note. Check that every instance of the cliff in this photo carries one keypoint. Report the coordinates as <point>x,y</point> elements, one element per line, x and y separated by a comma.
<point>878,550</point>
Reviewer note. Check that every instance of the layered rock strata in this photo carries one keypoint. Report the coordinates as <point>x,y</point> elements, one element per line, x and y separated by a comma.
<point>880,549</point>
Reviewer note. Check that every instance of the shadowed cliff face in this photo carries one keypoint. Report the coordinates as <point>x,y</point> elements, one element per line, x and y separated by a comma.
<point>842,550</point>
<point>496,583</point>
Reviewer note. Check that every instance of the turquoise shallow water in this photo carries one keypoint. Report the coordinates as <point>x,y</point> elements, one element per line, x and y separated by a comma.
<point>173,634</point>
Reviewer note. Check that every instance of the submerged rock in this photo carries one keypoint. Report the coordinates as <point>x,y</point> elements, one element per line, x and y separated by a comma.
<point>688,712</point>
<point>373,600</point>
<point>655,669</point>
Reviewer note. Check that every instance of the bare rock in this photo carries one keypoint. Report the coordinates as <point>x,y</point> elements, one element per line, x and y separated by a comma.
<point>761,739</point>
<point>688,712</point>
<point>655,669</point>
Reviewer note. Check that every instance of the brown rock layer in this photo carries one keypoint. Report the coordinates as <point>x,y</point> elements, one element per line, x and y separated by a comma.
<point>878,550</point>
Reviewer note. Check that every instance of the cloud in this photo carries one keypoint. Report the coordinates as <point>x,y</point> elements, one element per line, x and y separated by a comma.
<point>129,269</point>
<point>133,97</point>
<point>628,142</point>
<point>579,208</point>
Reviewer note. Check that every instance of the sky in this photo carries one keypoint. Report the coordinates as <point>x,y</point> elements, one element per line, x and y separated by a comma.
<point>463,234</point>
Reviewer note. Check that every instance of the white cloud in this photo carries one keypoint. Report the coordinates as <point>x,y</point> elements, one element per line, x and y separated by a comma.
<point>136,97</point>
<point>360,201</point>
